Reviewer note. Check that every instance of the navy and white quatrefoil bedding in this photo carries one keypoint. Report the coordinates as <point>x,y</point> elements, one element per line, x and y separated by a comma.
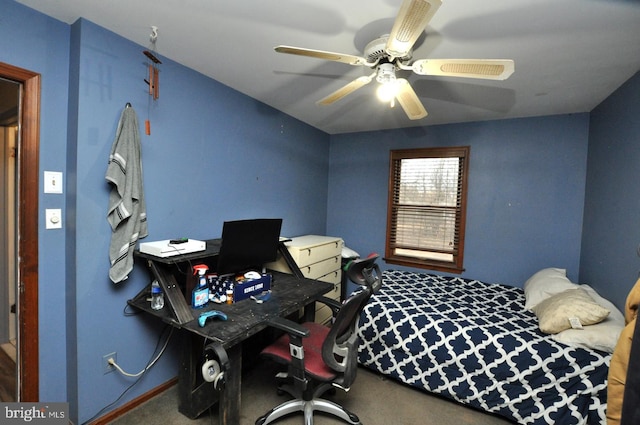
<point>475,343</point>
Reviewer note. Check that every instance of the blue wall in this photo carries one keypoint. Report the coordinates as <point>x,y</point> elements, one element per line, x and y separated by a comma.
<point>611,233</point>
<point>215,154</point>
<point>40,44</point>
<point>525,198</point>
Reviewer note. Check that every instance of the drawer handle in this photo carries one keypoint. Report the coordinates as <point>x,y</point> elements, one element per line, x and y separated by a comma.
<point>308,252</point>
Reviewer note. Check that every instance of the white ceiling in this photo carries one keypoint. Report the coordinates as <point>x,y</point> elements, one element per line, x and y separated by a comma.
<point>569,54</point>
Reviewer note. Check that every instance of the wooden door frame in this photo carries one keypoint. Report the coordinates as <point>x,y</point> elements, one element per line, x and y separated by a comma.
<point>28,189</point>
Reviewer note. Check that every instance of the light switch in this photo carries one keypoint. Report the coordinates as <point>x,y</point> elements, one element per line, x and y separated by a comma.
<point>52,182</point>
<point>53,218</point>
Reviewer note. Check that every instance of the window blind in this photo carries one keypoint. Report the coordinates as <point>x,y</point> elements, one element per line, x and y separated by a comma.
<point>426,206</point>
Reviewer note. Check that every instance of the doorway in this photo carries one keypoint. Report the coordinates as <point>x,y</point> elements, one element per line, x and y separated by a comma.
<point>19,226</point>
<point>9,107</point>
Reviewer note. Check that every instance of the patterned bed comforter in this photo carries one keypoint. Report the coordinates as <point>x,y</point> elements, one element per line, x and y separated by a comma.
<point>475,343</point>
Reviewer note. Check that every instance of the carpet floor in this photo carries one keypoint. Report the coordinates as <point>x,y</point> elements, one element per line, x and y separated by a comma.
<point>7,378</point>
<point>375,399</point>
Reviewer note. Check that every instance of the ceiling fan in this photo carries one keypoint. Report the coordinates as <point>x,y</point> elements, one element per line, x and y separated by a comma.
<point>393,52</point>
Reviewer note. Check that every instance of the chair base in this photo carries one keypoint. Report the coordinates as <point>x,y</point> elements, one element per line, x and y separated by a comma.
<point>308,407</point>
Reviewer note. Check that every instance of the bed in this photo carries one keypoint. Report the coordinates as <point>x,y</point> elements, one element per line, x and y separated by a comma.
<point>476,343</point>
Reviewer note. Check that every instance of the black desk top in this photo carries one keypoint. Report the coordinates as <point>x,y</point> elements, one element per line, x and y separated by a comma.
<point>246,317</point>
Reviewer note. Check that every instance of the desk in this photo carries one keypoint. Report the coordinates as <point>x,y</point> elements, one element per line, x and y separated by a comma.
<point>245,318</point>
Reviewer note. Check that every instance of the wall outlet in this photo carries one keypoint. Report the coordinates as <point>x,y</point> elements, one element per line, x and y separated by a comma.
<point>106,367</point>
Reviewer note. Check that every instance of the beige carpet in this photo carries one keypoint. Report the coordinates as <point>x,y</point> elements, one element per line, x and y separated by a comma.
<point>7,377</point>
<point>376,400</point>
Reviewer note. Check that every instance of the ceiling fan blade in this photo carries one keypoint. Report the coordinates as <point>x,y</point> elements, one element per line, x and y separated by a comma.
<point>345,90</point>
<point>320,54</point>
<point>488,69</point>
<point>408,99</point>
<point>412,19</point>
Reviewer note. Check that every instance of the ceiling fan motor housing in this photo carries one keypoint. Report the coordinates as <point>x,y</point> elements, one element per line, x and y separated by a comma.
<point>376,50</point>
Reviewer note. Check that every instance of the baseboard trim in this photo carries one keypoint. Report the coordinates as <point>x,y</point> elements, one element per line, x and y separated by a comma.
<point>125,408</point>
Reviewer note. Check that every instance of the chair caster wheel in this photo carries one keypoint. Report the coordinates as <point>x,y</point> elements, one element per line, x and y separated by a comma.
<point>354,418</point>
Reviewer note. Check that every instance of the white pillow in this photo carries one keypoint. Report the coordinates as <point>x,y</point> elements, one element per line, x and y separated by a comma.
<point>556,313</point>
<point>544,284</point>
<point>602,336</point>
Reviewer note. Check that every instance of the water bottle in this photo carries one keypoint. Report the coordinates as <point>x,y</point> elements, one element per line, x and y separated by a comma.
<point>157,296</point>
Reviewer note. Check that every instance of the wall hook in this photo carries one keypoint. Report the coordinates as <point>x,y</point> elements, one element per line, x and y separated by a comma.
<point>154,34</point>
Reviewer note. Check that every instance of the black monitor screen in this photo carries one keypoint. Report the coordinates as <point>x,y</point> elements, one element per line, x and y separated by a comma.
<point>248,244</point>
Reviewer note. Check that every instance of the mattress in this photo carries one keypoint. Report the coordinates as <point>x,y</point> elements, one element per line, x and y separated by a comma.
<point>474,342</point>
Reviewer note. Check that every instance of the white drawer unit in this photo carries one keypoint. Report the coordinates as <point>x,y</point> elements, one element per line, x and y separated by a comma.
<point>323,312</point>
<point>311,249</point>
<point>317,257</point>
<point>321,268</point>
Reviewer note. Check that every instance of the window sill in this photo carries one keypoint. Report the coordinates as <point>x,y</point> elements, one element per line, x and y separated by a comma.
<point>427,265</point>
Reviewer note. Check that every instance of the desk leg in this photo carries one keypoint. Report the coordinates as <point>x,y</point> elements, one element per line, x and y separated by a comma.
<point>309,313</point>
<point>196,395</point>
<point>229,409</point>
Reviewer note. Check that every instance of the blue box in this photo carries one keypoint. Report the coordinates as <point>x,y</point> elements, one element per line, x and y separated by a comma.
<point>245,288</point>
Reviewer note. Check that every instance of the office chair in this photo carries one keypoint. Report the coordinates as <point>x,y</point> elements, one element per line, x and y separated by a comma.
<point>319,358</point>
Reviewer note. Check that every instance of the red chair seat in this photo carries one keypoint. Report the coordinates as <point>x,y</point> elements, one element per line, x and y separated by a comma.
<point>313,363</point>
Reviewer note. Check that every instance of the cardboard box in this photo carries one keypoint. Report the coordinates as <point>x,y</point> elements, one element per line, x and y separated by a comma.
<point>245,288</point>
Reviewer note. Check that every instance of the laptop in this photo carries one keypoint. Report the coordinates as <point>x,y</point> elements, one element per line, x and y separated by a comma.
<point>248,245</point>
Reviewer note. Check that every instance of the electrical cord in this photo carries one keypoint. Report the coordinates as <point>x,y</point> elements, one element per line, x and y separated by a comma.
<point>139,378</point>
<point>177,263</point>
<point>128,311</point>
<point>149,366</point>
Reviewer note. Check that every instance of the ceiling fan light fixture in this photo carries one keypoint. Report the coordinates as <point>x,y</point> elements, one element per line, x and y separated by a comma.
<point>386,73</point>
<point>387,92</point>
<point>386,76</point>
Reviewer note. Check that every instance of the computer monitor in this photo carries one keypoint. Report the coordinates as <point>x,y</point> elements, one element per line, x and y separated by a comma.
<point>248,244</point>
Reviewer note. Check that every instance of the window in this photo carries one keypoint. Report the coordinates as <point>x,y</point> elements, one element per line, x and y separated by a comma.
<point>426,210</point>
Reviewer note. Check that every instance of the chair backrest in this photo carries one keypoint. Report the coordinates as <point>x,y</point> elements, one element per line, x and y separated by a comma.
<point>340,348</point>
<point>365,272</point>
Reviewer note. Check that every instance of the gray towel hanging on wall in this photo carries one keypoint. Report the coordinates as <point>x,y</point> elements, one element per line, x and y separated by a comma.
<point>127,211</point>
